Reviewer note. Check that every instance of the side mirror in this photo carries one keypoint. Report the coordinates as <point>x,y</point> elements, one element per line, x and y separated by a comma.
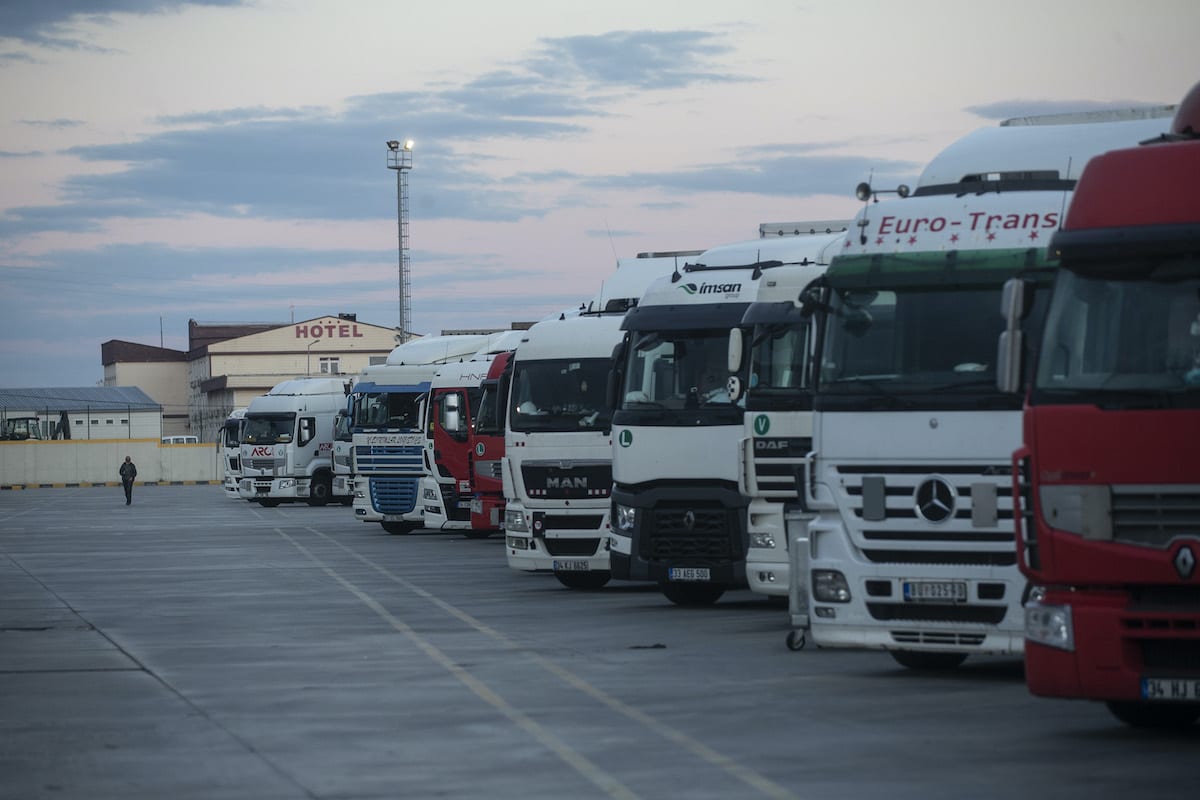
<point>733,388</point>
<point>616,375</point>
<point>1015,303</point>
<point>736,345</point>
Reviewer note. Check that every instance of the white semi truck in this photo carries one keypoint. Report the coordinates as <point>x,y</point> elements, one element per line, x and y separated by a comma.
<point>387,409</point>
<point>229,445</point>
<point>287,442</point>
<point>912,546</point>
<point>679,518</point>
<point>779,340</point>
<point>557,467</point>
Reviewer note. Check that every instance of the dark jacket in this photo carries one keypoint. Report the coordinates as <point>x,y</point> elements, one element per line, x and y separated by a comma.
<point>128,472</point>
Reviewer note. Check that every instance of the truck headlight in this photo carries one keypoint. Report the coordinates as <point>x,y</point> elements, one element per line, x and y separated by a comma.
<point>287,483</point>
<point>830,586</point>
<point>1082,510</point>
<point>765,541</point>
<point>1049,625</point>
<point>515,520</point>
<point>626,517</point>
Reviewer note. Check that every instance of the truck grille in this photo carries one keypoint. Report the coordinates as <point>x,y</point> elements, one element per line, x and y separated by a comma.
<point>566,481</point>
<point>572,547</point>
<point>932,612</point>
<point>393,495</point>
<point>388,458</point>
<point>947,638</point>
<point>777,464</point>
<point>263,464</point>
<point>1153,516</point>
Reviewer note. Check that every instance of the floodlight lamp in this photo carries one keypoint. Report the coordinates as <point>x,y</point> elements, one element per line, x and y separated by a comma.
<point>408,144</point>
<point>393,145</point>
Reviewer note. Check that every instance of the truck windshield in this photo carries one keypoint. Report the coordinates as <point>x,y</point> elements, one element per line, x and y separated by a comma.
<point>490,418</point>
<point>912,347</point>
<point>677,370</point>
<point>388,410</point>
<point>231,433</point>
<point>269,428</point>
<point>1124,339</point>
<point>560,395</point>
<point>779,354</point>
<point>341,428</point>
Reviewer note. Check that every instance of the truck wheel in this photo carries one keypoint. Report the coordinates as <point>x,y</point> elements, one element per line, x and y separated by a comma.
<point>583,580</point>
<point>1155,715</point>
<point>319,490</point>
<point>914,659</point>
<point>692,594</point>
<point>267,502</point>
<point>400,527</point>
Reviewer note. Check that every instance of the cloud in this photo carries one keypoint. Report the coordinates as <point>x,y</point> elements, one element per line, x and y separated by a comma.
<point>44,23</point>
<point>61,122</point>
<point>779,176</point>
<point>1008,109</point>
<point>644,60</point>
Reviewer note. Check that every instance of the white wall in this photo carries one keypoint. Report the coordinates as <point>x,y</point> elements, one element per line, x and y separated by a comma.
<point>98,461</point>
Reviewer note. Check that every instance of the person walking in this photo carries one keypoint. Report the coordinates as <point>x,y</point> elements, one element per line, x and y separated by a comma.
<point>128,473</point>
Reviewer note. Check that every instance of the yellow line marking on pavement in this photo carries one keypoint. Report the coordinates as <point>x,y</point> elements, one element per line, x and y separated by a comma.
<point>702,751</point>
<point>576,760</point>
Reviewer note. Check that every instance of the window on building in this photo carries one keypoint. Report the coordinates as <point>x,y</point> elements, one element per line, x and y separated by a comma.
<point>373,360</point>
<point>108,422</point>
<point>330,365</point>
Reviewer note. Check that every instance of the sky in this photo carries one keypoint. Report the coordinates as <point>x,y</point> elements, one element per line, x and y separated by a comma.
<point>225,160</point>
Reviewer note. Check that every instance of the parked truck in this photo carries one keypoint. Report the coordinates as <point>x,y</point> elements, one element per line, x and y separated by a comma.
<point>1107,482</point>
<point>779,339</point>
<point>910,548</point>
<point>229,445</point>
<point>455,393</point>
<point>486,440</point>
<point>557,468</point>
<point>287,442</point>
<point>387,409</point>
<point>679,518</point>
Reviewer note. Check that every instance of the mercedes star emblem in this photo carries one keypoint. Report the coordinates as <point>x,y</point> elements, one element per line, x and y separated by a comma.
<point>935,499</point>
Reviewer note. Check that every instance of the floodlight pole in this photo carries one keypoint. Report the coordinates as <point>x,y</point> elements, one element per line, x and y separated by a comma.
<point>399,158</point>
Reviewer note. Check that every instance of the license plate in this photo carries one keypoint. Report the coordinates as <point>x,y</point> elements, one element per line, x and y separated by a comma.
<point>935,591</point>
<point>476,505</point>
<point>574,565</point>
<point>1171,689</point>
<point>689,574</point>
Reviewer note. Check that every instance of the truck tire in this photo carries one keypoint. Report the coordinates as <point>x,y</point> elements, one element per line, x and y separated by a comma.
<point>692,594</point>
<point>1155,715</point>
<point>918,660</point>
<point>583,580</point>
<point>320,489</point>
<point>400,527</point>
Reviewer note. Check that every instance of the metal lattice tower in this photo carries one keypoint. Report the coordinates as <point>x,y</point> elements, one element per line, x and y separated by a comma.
<point>399,158</point>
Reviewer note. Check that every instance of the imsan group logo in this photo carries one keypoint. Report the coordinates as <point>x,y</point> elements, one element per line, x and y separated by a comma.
<point>727,289</point>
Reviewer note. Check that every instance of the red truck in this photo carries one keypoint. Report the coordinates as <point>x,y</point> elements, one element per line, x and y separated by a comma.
<point>1107,483</point>
<point>487,449</point>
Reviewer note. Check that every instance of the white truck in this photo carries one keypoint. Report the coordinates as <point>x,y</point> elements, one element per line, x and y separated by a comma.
<point>387,409</point>
<point>557,466</point>
<point>287,442</point>
<point>229,445</point>
<point>779,342</point>
<point>455,393</point>
<point>679,518</point>
<point>910,480</point>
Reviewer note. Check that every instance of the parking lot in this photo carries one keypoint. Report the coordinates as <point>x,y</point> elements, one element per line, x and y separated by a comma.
<point>192,646</point>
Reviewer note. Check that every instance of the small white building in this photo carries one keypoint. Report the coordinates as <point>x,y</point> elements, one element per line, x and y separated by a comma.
<point>90,412</point>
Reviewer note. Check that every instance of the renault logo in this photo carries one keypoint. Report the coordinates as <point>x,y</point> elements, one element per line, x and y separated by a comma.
<point>1185,562</point>
<point>689,519</point>
<point>935,499</point>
